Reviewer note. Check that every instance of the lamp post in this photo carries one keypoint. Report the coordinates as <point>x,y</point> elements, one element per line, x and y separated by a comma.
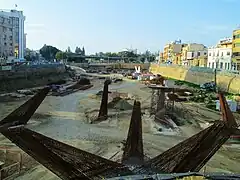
<point>215,75</point>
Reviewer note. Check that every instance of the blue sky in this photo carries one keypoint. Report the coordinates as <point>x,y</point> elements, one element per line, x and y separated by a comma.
<point>112,25</point>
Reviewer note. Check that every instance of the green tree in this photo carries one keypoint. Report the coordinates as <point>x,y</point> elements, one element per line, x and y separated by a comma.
<point>108,54</point>
<point>60,55</point>
<point>83,51</point>
<point>48,52</point>
<point>27,57</point>
<point>78,50</point>
<point>69,50</point>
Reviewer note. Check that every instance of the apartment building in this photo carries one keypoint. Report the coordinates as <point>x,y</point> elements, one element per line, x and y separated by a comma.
<point>160,58</point>
<point>194,55</point>
<point>12,35</point>
<point>236,48</point>
<point>220,56</point>
<point>172,52</point>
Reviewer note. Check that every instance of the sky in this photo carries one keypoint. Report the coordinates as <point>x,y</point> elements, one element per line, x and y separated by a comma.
<point>113,25</point>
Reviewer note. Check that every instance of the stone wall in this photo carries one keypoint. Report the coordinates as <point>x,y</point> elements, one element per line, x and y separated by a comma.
<point>144,66</point>
<point>226,81</point>
<point>30,76</point>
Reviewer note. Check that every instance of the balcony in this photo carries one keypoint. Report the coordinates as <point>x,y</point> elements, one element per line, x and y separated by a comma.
<point>236,59</point>
<point>236,49</point>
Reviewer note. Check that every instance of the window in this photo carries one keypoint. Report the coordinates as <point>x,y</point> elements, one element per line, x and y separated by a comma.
<point>213,53</point>
<point>209,54</point>
<point>11,44</point>
<point>10,37</point>
<point>228,53</point>
<point>237,45</point>
<point>228,66</point>
<point>5,43</point>
<point>221,65</point>
<point>236,36</point>
<point>198,54</point>
<point>225,65</point>
<point>212,65</point>
<point>209,64</point>
<point>236,54</point>
<point>10,29</point>
<point>217,53</point>
<point>222,54</point>
<point>205,53</point>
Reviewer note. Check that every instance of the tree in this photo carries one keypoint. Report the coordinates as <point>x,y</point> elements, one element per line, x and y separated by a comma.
<point>149,56</point>
<point>83,51</point>
<point>48,52</point>
<point>108,54</point>
<point>69,50</point>
<point>27,57</point>
<point>60,55</point>
<point>78,50</point>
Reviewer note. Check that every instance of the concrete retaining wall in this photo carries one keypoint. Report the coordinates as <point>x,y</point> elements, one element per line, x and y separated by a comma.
<point>226,81</point>
<point>112,65</point>
<point>30,76</point>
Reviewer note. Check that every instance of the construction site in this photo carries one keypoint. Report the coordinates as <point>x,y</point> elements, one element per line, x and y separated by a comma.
<point>117,129</point>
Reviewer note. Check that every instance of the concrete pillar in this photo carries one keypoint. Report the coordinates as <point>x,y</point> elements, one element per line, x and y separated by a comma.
<point>160,103</point>
<point>160,99</point>
<point>103,112</point>
<point>133,150</point>
<point>153,102</point>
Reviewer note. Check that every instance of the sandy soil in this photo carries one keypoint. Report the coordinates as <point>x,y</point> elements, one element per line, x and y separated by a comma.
<point>62,118</point>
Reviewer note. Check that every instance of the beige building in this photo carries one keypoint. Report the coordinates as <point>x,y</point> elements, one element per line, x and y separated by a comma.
<point>11,35</point>
<point>172,52</point>
<point>194,53</point>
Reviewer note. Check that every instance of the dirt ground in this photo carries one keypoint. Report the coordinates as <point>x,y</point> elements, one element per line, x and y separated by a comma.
<point>62,118</point>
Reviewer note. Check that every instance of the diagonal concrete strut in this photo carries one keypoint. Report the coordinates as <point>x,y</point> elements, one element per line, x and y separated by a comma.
<point>133,150</point>
<point>21,115</point>
<point>193,153</point>
<point>64,160</point>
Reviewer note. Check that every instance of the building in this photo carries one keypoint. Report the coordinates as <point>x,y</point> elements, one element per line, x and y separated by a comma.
<point>220,56</point>
<point>172,52</point>
<point>166,53</point>
<point>194,54</point>
<point>25,43</point>
<point>160,58</point>
<point>236,48</point>
<point>12,34</point>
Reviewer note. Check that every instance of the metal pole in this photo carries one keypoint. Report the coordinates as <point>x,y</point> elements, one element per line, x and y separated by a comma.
<point>215,79</point>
